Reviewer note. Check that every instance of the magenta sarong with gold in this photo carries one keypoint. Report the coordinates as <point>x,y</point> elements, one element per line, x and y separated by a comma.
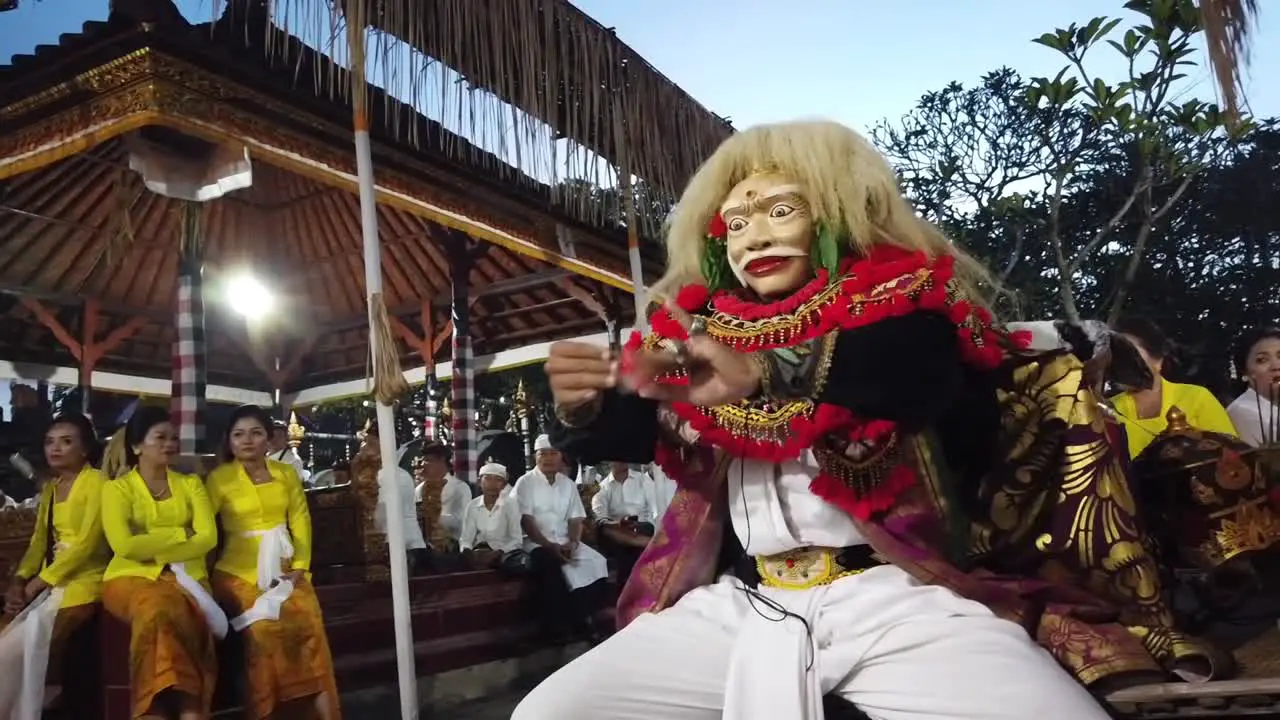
<point>1057,545</point>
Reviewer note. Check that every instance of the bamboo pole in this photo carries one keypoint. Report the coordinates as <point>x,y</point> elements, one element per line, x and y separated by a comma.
<point>387,478</point>
<point>627,190</point>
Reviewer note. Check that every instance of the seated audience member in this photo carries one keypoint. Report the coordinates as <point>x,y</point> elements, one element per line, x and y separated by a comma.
<point>455,495</point>
<point>414,543</point>
<point>491,535</point>
<point>569,575</point>
<point>161,527</point>
<point>1256,413</point>
<point>58,582</point>
<point>624,511</point>
<point>1143,411</point>
<point>280,450</point>
<point>262,575</point>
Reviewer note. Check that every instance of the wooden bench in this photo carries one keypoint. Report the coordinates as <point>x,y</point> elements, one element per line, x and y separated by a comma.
<point>16,527</point>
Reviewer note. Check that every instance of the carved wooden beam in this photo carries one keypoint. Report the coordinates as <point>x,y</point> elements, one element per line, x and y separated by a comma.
<point>428,343</point>
<point>50,321</point>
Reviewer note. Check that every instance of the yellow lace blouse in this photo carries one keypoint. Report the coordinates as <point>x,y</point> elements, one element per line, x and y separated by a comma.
<point>147,534</point>
<point>247,509</point>
<point>80,552</point>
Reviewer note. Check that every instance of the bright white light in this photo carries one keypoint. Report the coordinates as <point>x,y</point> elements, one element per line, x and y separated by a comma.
<point>249,297</point>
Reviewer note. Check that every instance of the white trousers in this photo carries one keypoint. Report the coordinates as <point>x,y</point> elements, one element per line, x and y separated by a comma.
<point>897,649</point>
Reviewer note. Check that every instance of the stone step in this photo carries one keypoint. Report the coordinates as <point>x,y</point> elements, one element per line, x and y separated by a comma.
<point>487,691</point>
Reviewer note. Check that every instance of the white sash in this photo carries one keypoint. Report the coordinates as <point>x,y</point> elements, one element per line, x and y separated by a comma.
<point>212,613</point>
<point>24,657</point>
<point>274,545</point>
<point>266,607</point>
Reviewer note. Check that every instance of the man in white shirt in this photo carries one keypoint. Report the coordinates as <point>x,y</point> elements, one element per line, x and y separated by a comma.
<point>455,494</point>
<point>491,522</point>
<point>623,510</point>
<point>278,449</point>
<point>551,515</point>
<point>414,543</point>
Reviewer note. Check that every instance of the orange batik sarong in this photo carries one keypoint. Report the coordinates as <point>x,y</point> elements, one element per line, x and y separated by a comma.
<point>287,660</point>
<point>170,645</point>
<point>65,624</point>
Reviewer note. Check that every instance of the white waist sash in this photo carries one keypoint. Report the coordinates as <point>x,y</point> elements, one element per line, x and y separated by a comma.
<point>266,607</point>
<point>24,657</point>
<point>274,545</point>
<point>212,613</point>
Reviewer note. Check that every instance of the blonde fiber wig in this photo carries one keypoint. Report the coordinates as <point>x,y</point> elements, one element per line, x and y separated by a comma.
<point>847,182</point>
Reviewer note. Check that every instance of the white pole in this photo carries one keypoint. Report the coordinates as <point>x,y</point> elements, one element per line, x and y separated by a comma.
<point>625,187</point>
<point>387,480</point>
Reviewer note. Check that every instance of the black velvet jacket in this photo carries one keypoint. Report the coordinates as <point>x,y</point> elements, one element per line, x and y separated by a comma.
<point>907,369</point>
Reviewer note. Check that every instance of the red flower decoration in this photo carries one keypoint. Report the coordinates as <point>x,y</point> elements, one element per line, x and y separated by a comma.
<point>693,297</point>
<point>717,227</point>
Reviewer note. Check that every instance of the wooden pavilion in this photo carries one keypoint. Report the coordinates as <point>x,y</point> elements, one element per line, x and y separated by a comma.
<point>478,254</point>
<point>89,258</point>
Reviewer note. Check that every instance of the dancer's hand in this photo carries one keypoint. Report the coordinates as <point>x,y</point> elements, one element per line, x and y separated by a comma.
<point>296,577</point>
<point>718,375</point>
<point>579,372</point>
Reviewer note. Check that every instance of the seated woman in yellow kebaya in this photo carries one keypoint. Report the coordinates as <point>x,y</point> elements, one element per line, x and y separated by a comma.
<point>58,582</point>
<point>1143,411</point>
<point>261,577</point>
<point>161,528</point>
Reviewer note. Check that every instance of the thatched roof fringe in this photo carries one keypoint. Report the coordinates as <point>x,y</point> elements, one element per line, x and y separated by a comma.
<point>536,82</point>
<point>1227,28</point>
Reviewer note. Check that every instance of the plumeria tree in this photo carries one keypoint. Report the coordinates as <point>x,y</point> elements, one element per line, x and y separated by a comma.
<point>1000,164</point>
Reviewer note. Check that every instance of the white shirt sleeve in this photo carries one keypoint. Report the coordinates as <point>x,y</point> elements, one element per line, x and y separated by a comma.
<point>453,505</point>
<point>600,503</point>
<point>1247,420</point>
<point>513,537</point>
<point>650,499</point>
<point>576,511</point>
<point>522,493</point>
<point>467,538</point>
<point>459,497</point>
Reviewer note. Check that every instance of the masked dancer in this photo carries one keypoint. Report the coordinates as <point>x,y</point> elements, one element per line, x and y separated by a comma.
<point>876,484</point>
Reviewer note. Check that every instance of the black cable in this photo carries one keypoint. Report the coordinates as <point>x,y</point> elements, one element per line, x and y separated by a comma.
<point>753,594</point>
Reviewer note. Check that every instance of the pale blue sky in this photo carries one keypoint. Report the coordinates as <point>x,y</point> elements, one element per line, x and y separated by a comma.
<point>856,61</point>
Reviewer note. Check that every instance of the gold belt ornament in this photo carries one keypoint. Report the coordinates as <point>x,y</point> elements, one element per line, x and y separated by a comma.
<point>803,568</point>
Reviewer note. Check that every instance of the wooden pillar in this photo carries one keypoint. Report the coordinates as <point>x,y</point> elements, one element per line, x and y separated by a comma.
<point>87,349</point>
